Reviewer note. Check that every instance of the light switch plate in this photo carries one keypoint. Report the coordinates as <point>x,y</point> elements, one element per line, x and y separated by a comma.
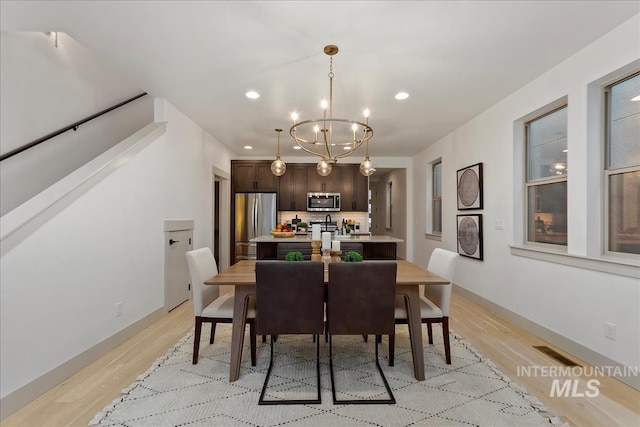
<point>499,224</point>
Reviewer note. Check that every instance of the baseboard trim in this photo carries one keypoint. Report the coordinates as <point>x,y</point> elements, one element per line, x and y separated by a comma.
<point>31,391</point>
<point>578,350</point>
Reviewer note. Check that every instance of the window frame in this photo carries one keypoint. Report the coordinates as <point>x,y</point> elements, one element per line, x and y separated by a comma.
<point>529,183</point>
<point>608,170</point>
<point>429,232</point>
<point>435,198</point>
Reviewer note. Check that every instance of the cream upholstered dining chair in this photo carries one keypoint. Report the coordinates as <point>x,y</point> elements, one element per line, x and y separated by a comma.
<point>434,305</point>
<point>208,305</point>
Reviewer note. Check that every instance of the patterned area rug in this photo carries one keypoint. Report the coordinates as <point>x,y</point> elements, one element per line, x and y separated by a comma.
<point>470,391</point>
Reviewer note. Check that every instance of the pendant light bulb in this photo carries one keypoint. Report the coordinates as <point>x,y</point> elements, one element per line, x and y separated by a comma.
<point>278,167</point>
<point>324,167</point>
<point>366,167</point>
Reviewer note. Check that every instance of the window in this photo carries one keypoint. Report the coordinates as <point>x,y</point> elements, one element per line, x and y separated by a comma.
<point>546,183</point>
<point>436,198</point>
<point>622,171</point>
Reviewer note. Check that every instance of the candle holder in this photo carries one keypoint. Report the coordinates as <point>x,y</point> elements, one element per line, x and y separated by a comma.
<point>315,250</point>
<point>326,258</point>
<point>335,256</point>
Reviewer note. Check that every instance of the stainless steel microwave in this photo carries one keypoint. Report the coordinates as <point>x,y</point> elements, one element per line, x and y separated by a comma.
<point>323,202</point>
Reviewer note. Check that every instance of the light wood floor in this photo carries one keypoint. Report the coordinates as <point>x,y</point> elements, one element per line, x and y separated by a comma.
<point>76,401</point>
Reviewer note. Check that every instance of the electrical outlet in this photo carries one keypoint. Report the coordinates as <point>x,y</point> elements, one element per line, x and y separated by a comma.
<point>119,309</point>
<point>499,224</point>
<point>610,331</point>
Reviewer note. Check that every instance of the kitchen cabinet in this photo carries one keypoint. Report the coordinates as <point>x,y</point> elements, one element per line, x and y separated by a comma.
<point>293,189</point>
<point>252,176</point>
<point>317,183</point>
<point>354,189</point>
<point>300,179</point>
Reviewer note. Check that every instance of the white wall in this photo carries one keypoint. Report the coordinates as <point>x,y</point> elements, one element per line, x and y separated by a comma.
<point>44,89</point>
<point>571,302</point>
<point>59,286</point>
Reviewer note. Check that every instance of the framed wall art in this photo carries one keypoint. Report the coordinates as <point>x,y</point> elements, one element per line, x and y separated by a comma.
<point>470,236</point>
<point>470,187</point>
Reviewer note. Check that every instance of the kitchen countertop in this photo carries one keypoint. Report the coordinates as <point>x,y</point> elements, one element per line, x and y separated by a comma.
<point>307,238</point>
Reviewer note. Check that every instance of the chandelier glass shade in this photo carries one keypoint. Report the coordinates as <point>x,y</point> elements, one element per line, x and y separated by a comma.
<point>331,138</point>
<point>278,167</point>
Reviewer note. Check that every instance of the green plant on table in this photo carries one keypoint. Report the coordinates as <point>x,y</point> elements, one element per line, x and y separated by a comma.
<point>352,256</point>
<point>294,256</point>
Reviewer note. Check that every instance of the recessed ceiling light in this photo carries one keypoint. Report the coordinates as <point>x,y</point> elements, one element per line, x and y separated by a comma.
<point>636,98</point>
<point>401,95</point>
<point>248,147</point>
<point>346,148</point>
<point>252,94</point>
<point>565,151</point>
<point>297,147</point>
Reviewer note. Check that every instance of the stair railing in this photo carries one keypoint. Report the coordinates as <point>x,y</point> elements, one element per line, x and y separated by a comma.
<point>73,126</point>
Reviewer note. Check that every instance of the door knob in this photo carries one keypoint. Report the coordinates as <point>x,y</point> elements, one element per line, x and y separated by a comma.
<point>171,241</point>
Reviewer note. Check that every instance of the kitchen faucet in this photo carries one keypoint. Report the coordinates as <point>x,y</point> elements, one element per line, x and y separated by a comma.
<point>326,222</point>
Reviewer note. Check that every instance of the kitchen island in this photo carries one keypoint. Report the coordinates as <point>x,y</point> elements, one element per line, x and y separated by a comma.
<point>372,247</point>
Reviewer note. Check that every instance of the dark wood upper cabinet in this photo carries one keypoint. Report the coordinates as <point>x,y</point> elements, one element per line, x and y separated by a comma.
<point>354,189</point>
<point>293,189</point>
<point>300,179</point>
<point>317,183</point>
<point>252,176</point>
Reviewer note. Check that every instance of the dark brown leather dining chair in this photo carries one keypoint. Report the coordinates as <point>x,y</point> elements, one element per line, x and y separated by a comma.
<point>290,300</point>
<point>360,301</point>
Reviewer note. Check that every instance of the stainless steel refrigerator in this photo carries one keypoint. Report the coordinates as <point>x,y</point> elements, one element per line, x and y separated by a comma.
<point>256,215</point>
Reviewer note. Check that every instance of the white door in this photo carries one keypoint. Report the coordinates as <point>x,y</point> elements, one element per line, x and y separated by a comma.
<point>177,243</point>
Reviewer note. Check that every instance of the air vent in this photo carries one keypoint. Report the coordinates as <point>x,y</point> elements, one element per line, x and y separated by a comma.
<point>555,355</point>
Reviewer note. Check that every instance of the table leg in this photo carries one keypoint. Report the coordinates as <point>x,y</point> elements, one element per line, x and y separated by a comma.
<point>411,292</point>
<point>240,306</point>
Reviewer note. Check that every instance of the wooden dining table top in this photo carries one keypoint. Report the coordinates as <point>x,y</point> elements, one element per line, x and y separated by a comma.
<point>243,273</point>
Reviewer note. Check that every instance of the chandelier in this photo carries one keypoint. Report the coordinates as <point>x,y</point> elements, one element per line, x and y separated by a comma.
<point>331,138</point>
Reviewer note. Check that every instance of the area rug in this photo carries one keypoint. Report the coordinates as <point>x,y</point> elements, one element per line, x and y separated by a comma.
<point>470,391</point>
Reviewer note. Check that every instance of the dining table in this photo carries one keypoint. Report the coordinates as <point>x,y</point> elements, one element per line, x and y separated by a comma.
<point>242,277</point>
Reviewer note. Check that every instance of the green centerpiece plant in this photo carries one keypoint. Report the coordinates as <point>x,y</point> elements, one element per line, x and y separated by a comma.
<point>294,256</point>
<point>352,256</point>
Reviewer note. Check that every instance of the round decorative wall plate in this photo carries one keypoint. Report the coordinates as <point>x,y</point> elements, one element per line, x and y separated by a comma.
<point>468,236</point>
<point>469,187</point>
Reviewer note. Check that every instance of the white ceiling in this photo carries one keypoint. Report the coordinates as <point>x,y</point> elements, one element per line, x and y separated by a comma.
<point>455,59</point>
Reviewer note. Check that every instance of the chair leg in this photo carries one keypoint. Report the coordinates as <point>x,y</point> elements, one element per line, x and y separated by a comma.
<point>392,349</point>
<point>213,332</point>
<point>252,337</point>
<point>445,334</point>
<point>196,340</point>
<point>366,338</point>
<point>430,332</point>
<point>379,338</point>
<point>264,338</point>
<point>391,400</point>
<point>261,400</point>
